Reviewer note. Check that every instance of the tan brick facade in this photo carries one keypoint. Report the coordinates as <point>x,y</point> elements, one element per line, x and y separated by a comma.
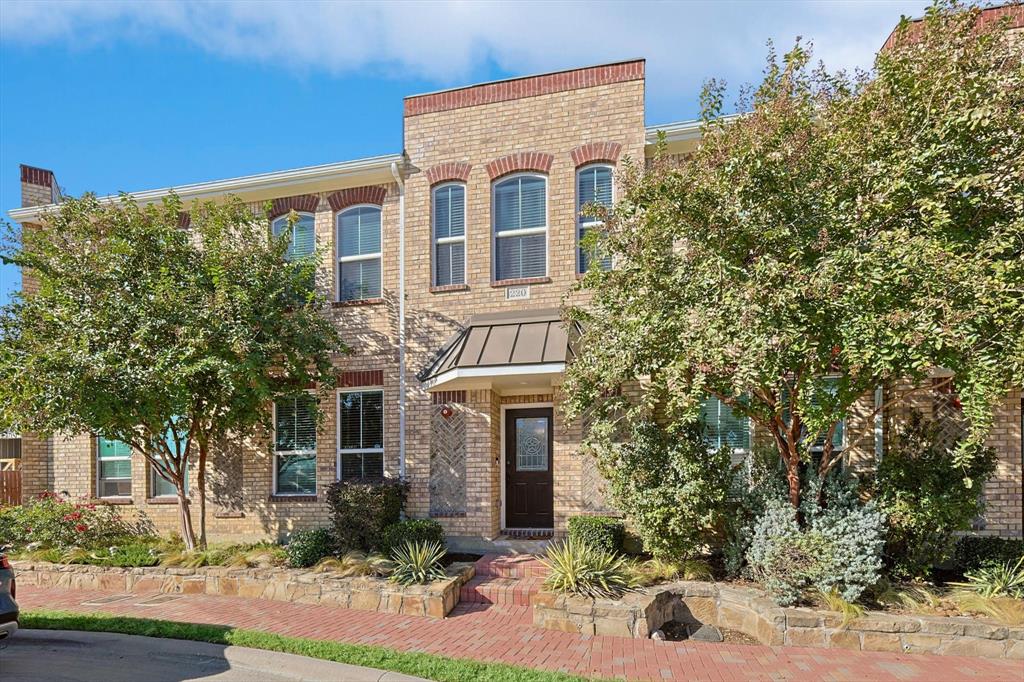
<point>550,124</point>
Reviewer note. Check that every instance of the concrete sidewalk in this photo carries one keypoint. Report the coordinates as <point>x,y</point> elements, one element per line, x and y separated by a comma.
<point>59,655</point>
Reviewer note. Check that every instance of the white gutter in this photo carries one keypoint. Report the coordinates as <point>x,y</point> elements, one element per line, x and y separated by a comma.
<point>262,182</point>
<point>681,131</point>
<point>401,318</point>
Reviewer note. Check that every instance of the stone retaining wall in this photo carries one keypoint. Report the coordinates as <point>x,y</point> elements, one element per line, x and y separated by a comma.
<point>752,612</point>
<point>282,584</point>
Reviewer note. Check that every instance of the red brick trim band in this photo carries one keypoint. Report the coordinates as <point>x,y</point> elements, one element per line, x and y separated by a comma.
<point>986,16</point>
<point>357,302</point>
<point>521,161</point>
<point>292,498</point>
<point>373,194</point>
<point>443,172</point>
<point>36,176</point>
<point>445,397</point>
<point>369,377</point>
<point>444,288</point>
<point>527,86</point>
<point>596,151</point>
<point>304,203</point>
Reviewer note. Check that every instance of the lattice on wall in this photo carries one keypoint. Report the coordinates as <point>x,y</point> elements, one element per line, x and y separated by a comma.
<point>447,461</point>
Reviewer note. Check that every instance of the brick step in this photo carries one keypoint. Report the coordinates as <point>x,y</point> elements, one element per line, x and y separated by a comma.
<point>485,589</point>
<point>510,566</point>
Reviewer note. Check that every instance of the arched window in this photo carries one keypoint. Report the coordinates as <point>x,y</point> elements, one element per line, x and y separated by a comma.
<point>449,227</point>
<point>302,238</point>
<point>359,253</point>
<point>520,218</point>
<point>593,186</point>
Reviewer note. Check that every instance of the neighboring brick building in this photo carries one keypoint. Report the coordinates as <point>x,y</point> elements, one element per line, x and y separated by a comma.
<point>477,223</point>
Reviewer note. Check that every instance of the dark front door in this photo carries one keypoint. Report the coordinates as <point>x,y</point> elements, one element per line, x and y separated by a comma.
<point>529,497</point>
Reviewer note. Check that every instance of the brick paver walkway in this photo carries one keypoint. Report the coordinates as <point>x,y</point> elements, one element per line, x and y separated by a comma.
<point>504,633</point>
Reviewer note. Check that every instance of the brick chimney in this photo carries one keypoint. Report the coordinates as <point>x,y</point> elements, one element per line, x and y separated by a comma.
<point>38,187</point>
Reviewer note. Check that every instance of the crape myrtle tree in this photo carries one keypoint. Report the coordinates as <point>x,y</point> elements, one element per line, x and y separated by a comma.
<point>174,341</point>
<point>844,233</point>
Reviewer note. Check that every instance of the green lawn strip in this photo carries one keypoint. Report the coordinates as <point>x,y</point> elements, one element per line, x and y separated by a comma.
<point>430,666</point>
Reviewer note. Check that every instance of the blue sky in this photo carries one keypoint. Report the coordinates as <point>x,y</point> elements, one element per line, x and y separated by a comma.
<point>134,95</point>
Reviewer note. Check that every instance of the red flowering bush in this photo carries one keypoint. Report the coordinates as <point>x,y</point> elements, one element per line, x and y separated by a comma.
<point>52,522</point>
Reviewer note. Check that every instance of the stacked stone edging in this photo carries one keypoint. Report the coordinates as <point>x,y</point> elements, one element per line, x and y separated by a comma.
<point>750,611</point>
<point>435,600</point>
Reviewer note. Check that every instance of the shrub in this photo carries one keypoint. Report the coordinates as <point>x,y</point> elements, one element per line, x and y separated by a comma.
<point>603,532</point>
<point>654,571</point>
<point>355,563</point>
<point>671,489</point>
<point>361,510</point>
<point>926,496</point>
<point>50,521</point>
<point>977,551</point>
<point>838,550</point>
<point>307,547</point>
<point>580,568</point>
<point>418,563</point>
<point>410,530</point>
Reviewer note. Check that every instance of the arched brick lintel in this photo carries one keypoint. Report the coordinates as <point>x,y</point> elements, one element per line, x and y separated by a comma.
<point>596,151</point>
<point>444,172</point>
<point>521,161</point>
<point>371,194</point>
<point>301,203</point>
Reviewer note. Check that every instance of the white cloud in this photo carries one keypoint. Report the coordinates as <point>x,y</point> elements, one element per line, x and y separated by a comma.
<point>447,42</point>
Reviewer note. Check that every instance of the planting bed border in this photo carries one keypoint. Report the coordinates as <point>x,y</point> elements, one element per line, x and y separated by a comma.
<point>752,612</point>
<point>366,593</point>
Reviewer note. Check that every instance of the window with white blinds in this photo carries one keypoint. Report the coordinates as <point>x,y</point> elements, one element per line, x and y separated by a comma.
<point>449,220</point>
<point>295,446</point>
<point>593,187</point>
<point>520,227</point>
<point>359,253</point>
<point>723,428</point>
<point>114,468</point>
<point>301,235</point>
<point>360,434</point>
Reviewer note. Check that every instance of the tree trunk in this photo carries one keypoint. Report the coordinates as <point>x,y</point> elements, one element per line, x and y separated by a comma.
<point>201,483</point>
<point>188,533</point>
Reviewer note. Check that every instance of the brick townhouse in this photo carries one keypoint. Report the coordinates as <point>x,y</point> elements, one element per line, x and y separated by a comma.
<point>445,268</point>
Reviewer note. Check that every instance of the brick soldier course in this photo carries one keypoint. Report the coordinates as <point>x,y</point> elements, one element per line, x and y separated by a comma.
<point>550,125</point>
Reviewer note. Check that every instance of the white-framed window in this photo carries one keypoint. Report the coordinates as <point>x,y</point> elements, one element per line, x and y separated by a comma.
<point>838,436</point>
<point>360,434</point>
<point>520,217</point>
<point>359,253</point>
<point>113,468</point>
<point>302,234</point>
<point>295,446</point>
<point>594,185</point>
<point>723,428</point>
<point>448,216</point>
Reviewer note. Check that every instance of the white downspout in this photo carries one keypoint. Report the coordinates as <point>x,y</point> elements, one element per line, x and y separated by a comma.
<point>401,318</point>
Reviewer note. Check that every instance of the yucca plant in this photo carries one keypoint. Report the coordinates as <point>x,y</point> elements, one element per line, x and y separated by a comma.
<point>579,568</point>
<point>996,580</point>
<point>417,563</point>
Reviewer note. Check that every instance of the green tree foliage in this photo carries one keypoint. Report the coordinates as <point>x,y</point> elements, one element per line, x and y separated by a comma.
<point>844,233</point>
<point>671,488</point>
<point>921,490</point>
<point>171,340</point>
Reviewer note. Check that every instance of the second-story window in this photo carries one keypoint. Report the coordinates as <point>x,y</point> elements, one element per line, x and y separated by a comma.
<point>302,235</point>
<point>359,253</point>
<point>593,187</point>
<point>520,227</point>
<point>449,220</point>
